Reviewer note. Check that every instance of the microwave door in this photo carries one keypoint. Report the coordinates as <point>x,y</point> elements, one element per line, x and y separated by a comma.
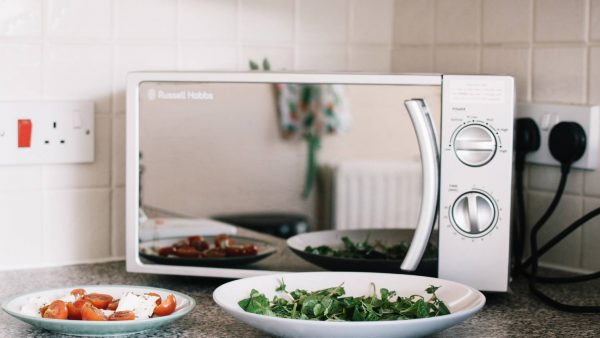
<point>427,139</point>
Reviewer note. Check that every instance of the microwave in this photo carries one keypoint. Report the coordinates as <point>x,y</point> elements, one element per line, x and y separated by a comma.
<point>431,153</point>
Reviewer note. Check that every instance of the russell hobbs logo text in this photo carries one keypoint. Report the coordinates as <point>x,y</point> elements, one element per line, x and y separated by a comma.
<point>180,95</point>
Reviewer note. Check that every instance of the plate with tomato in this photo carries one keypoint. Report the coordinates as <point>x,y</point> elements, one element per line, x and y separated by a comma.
<point>215,251</point>
<point>100,310</point>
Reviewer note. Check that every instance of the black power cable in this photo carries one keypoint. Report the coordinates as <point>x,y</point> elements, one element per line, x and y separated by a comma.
<point>567,145</point>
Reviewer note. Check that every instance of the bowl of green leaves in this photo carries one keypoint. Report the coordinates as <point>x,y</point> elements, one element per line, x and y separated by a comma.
<point>348,304</point>
<point>369,250</point>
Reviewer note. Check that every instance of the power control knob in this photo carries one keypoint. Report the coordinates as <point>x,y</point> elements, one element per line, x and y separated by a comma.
<point>473,214</point>
<point>474,145</point>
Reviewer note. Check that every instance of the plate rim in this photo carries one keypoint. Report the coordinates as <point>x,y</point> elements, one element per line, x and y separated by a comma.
<point>184,311</point>
<point>476,308</point>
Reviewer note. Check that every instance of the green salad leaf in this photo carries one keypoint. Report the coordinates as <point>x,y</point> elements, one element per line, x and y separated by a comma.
<point>333,304</point>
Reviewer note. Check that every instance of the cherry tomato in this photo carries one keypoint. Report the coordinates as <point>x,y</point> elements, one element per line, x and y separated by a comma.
<point>78,292</point>
<point>166,251</point>
<point>57,310</point>
<point>113,305</point>
<point>75,308</point>
<point>215,253</point>
<point>187,251</point>
<point>90,312</point>
<point>166,307</point>
<point>223,241</point>
<point>122,315</point>
<point>155,295</point>
<point>99,300</point>
<point>43,309</point>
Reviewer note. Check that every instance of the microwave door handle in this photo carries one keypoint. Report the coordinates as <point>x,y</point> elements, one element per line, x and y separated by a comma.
<point>426,136</point>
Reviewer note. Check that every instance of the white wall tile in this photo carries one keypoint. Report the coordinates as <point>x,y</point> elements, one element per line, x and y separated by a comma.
<point>21,231</point>
<point>279,58</point>
<point>205,56</point>
<point>20,18</point>
<point>76,225</point>
<point>267,21</point>
<point>457,21</point>
<point>208,19</point>
<point>507,20</point>
<point>134,57</point>
<point>510,61</point>
<point>322,21</point>
<point>20,71</point>
<point>595,20</point>
<point>570,208</point>
<point>117,232</point>
<point>78,71</point>
<point>118,150</point>
<point>558,74</point>
<point>591,237</point>
<point>20,177</point>
<point>372,21</point>
<point>369,59</point>
<point>322,58</point>
<point>79,18</point>
<point>457,60</point>
<point>412,60</point>
<point>413,21</point>
<point>559,20</point>
<point>84,175</point>
<point>146,19</point>
<point>547,178</point>
<point>594,75</point>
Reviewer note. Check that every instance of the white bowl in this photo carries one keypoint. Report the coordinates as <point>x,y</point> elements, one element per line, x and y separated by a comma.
<point>463,302</point>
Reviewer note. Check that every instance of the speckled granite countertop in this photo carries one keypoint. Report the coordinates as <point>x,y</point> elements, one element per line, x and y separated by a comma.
<point>515,314</point>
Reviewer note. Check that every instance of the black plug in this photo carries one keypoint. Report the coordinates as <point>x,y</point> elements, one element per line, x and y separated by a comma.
<point>567,143</point>
<point>527,139</point>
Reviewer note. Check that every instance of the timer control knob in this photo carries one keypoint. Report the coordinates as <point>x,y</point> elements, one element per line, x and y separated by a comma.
<point>474,145</point>
<point>473,214</point>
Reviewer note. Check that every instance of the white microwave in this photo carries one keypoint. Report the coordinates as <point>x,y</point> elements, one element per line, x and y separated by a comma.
<point>201,144</point>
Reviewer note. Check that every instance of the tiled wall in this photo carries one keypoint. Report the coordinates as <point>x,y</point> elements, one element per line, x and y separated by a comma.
<point>552,48</point>
<point>82,49</point>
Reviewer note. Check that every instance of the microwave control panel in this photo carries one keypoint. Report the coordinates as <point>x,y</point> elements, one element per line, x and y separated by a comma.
<point>475,180</point>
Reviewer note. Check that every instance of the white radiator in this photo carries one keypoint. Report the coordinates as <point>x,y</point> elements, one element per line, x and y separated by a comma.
<point>373,194</point>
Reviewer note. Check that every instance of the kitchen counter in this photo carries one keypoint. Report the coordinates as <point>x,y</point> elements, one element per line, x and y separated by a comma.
<point>515,314</point>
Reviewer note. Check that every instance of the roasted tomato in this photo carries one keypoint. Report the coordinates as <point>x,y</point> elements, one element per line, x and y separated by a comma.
<point>187,251</point>
<point>75,308</point>
<point>223,241</point>
<point>166,307</point>
<point>43,309</point>
<point>234,250</point>
<point>113,305</point>
<point>90,312</point>
<point>215,253</point>
<point>78,292</point>
<point>155,295</point>
<point>122,315</point>
<point>166,251</point>
<point>57,310</point>
<point>99,300</point>
<point>250,249</point>
<point>198,242</point>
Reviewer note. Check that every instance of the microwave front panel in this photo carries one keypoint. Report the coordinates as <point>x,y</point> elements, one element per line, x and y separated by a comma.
<point>475,182</point>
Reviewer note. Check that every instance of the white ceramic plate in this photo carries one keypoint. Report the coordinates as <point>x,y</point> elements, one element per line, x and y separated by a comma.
<point>463,302</point>
<point>185,304</point>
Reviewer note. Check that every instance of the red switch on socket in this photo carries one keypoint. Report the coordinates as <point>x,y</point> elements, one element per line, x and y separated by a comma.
<point>24,133</point>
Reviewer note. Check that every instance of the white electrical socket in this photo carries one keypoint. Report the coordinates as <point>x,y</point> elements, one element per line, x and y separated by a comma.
<point>41,132</point>
<point>548,115</point>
